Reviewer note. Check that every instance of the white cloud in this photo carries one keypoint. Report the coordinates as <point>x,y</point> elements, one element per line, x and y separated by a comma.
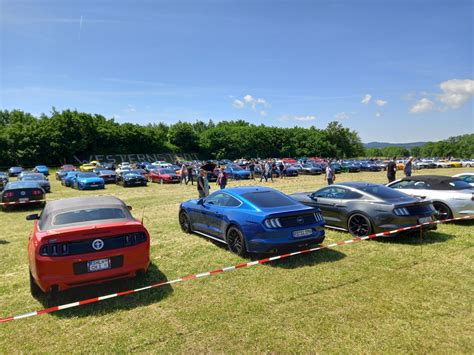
<point>378,114</point>
<point>423,105</point>
<point>456,92</point>
<point>341,116</point>
<point>238,104</point>
<point>366,99</point>
<point>257,104</point>
<point>380,103</point>
<point>129,109</point>
<point>263,113</point>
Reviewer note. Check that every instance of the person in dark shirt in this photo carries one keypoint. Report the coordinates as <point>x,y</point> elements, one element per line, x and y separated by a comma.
<point>190,175</point>
<point>392,169</point>
<point>251,167</point>
<point>282,169</point>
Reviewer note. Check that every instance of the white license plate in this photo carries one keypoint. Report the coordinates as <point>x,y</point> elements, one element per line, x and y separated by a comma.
<point>302,233</point>
<point>94,185</point>
<point>24,199</point>
<point>97,265</point>
<point>424,220</point>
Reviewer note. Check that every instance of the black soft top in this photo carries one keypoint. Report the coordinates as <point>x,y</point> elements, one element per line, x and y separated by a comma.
<point>78,204</point>
<point>439,182</point>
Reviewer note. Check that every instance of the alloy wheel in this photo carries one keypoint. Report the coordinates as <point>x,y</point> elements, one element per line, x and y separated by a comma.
<point>359,225</point>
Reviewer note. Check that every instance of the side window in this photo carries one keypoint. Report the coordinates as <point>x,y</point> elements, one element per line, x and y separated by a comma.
<point>352,195</point>
<point>231,201</point>
<point>214,199</point>
<point>222,199</point>
<point>404,184</point>
<point>332,192</point>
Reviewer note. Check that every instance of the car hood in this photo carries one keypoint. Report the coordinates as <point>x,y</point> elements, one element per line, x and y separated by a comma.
<point>90,179</point>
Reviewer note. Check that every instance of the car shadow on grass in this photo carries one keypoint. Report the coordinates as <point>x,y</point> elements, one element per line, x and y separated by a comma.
<point>153,276</point>
<point>307,259</point>
<point>2,241</point>
<point>414,238</point>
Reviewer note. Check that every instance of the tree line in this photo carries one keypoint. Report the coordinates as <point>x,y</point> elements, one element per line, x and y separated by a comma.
<point>457,147</point>
<point>56,138</point>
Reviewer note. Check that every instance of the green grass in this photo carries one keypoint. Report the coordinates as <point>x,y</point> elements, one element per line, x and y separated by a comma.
<point>388,295</point>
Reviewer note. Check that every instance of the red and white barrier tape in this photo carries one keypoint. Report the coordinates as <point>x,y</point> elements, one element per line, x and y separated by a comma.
<point>218,271</point>
<point>20,202</point>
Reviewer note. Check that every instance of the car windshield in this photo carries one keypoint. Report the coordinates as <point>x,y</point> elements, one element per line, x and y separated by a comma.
<point>268,199</point>
<point>33,177</point>
<point>41,167</point>
<point>88,215</point>
<point>85,175</point>
<point>382,192</point>
<point>236,168</point>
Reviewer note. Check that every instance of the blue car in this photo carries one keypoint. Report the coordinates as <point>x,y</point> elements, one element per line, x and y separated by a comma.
<point>253,219</point>
<point>68,179</point>
<point>42,169</point>
<point>237,173</point>
<point>87,180</point>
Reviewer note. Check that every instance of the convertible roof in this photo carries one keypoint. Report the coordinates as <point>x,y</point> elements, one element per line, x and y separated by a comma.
<point>437,182</point>
<point>53,208</point>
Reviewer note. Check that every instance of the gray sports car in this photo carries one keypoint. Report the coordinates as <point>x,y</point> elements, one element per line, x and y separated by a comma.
<point>364,208</point>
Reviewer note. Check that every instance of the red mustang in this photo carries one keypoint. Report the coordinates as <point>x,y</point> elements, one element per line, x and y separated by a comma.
<point>85,240</point>
<point>164,175</point>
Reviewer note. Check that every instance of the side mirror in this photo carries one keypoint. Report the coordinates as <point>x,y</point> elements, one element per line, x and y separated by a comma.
<point>200,201</point>
<point>129,208</point>
<point>32,217</point>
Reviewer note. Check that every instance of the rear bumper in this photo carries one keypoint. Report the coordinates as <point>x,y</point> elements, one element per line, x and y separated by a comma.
<point>403,222</point>
<point>59,271</point>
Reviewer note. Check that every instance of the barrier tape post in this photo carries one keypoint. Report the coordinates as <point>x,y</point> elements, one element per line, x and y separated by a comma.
<point>222,270</point>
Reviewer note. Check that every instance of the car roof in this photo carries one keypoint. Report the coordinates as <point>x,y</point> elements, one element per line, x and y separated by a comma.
<point>245,189</point>
<point>357,184</point>
<point>35,174</point>
<point>56,207</point>
<point>21,185</point>
<point>436,181</point>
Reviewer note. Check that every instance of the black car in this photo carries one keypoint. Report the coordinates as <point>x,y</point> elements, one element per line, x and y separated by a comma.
<point>369,166</point>
<point>21,193</point>
<point>350,167</point>
<point>308,169</point>
<point>15,171</point>
<point>363,208</point>
<point>291,171</point>
<point>109,176</point>
<point>39,178</point>
<point>336,167</point>
<point>130,178</point>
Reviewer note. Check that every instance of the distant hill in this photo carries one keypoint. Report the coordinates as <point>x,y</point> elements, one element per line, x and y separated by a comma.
<point>383,145</point>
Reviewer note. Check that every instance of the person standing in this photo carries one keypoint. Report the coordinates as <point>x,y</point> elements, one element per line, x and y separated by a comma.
<point>330,175</point>
<point>408,167</point>
<point>222,178</point>
<point>392,169</point>
<point>190,175</point>
<point>252,169</point>
<point>202,184</point>
<point>282,170</point>
<point>183,173</point>
<point>263,172</point>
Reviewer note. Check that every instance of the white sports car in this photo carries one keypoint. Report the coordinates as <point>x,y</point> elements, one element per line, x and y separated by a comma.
<point>467,177</point>
<point>451,196</point>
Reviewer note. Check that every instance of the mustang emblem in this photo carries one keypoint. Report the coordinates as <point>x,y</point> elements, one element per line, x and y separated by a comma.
<point>98,244</point>
<point>300,220</point>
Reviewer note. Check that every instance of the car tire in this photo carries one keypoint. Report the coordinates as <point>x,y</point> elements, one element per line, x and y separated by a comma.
<point>184,222</point>
<point>443,211</point>
<point>236,241</point>
<point>35,290</point>
<point>359,225</point>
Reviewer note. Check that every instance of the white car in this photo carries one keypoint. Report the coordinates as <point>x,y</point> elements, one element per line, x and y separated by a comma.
<point>161,164</point>
<point>467,163</point>
<point>451,196</point>
<point>467,177</point>
<point>442,164</point>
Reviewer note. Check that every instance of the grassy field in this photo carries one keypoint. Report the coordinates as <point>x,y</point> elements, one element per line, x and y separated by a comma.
<point>387,295</point>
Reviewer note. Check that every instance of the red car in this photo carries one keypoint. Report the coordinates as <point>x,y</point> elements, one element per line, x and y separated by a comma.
<point>164,175</point>
<point>68,167</point>
<point>85,240</point>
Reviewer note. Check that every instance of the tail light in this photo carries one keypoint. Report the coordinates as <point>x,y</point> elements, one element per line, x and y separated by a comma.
<point>272,223</point>
<point>402,211</point>
<point>37,192</point>
<point>8,194</point>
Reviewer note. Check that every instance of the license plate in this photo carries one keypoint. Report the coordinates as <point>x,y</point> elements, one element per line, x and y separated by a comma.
<point>97,265</point>
<point>94,185</point>
<point>302,233</point>
<point>24,199</point>
<point>138,182</point>
<point>424,220</point>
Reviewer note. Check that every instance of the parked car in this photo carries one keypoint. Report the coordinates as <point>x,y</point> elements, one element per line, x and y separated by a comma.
<point>425,164</point>
<point>14,171</point>
<point>39,178</point>
<point>68,179</point>
<point>253,219</point>
<point>42,169</point>
<point>467,177</point>
<point>363,208</point>
<point>308,169</point>
<point>442,164</point>
<point>68,167</point>
<point>131,178</point>
<point>90,180</point>
<point>336,167</point>
<point>88,167</point>
<point>60,174</point>
<point>368,166</point>
<point>467,163</point>
<point>164,175</point>
<point>291,171</point>
<point>109,176</point>
<point>451,196</point>
<point>85,240</point>
<point>107,165</point>
<point>3,180</point>
<point>236,172</point>
<point>350,167</point>
<point>22,192</point>
<point>455,163</point>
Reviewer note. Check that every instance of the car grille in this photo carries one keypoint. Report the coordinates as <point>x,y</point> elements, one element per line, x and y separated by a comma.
<point>85,246</point>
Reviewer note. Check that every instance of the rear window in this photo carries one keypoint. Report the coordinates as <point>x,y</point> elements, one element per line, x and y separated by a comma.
<point>88,215</point>
<point>382,192</point>
<point>268,199</point>
<point>459,185</point>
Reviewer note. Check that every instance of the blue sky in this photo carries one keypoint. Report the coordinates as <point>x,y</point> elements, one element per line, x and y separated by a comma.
<point>395,71</point>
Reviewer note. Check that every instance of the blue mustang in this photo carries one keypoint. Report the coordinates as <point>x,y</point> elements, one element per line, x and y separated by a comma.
<point>69,178</point>
<point>236,172</point>
<point>87,180</point>
<point>253,219</point>
<point>43,169</point>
